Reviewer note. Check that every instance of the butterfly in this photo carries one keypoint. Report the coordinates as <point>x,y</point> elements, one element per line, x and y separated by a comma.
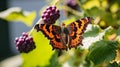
<point>64,37</point>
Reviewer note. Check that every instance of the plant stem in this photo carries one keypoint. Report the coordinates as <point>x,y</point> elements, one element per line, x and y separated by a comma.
<point>56,2</point>
<point>38,22</point>
<point>80,5</point>
<point>72,10</point>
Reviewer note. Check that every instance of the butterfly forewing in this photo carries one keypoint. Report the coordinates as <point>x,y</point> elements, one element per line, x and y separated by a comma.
<point>53,33</point>
<point>76,29</point>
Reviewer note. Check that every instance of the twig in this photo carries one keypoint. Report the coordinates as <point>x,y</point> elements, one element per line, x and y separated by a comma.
<point>56,2</point>
<point>72,10</point>
<point>39,21</point>
<point>80,5</point>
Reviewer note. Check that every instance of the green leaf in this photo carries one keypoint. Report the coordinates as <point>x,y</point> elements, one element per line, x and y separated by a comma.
<point>16,14</point>
<point>118,31</point>
<point>109,35</point>
<point>88,63</point>
<point>94,31</point>
<point>102,51</point>
<point>95,11</point>
<point>41,55</point>
<point>108,18</point>
<point>54,61</point>
<point>113,65</point>
<point>89,40</point>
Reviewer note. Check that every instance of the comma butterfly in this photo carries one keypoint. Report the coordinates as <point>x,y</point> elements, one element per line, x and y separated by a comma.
<point>71,34</point>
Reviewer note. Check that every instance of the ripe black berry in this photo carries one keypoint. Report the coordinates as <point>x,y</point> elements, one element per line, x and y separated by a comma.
<point>25,43</point>
<point>50,15</point>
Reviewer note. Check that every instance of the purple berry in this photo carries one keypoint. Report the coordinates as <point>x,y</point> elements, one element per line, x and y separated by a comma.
<point>17,43</point>
<point>16,39</point>
<point>48,11</point>
<point>72,4</point>
<point>20,37</point>
<point>23,34</point>
<point>23,37</point>
<point>31,38</point>
<point>44,18</point>
<point>49,7</point>
<point>27,40</point>
<point>53,7</point>
<point>50,15</point>
<point>25,43</point>
<point>21,41</point>
<point>44,12</point>
<point>57,11</point>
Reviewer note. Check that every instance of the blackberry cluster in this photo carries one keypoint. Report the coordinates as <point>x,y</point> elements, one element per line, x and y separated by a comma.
<point>25,43</point>
<point>50,15</point>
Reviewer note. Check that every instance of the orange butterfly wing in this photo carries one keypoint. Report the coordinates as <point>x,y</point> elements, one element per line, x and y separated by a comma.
<point>53,33</point>
<point>76,29</point>
<point>59,39</point>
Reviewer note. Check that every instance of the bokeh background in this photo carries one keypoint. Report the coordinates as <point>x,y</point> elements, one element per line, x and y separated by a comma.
<point>11,30</point>
<point>101,43</point>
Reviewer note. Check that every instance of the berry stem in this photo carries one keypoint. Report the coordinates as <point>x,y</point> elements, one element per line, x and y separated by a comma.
<point>39,21</point>
<point>72,10</point>
<point>80,5</point>
<point>56,2</point>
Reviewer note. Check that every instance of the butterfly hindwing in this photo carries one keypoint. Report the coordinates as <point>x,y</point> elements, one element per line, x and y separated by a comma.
<point>57,41</point>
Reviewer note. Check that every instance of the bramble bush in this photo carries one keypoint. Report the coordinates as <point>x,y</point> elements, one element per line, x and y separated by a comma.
<point>101,43</point>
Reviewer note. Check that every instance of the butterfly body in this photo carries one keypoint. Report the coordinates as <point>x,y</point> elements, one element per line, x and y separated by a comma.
<point>64,37</point>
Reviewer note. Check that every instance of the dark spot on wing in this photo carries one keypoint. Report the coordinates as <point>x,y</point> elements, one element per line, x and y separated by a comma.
<point>53,32</point>
<point>47,27</point>
<point>79,23</point>
<point>75,29</point>
<point>58,40</point>
<point>73,37</point>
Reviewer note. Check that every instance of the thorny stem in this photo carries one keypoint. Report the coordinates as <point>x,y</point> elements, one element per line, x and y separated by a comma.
<point>80,5</point>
